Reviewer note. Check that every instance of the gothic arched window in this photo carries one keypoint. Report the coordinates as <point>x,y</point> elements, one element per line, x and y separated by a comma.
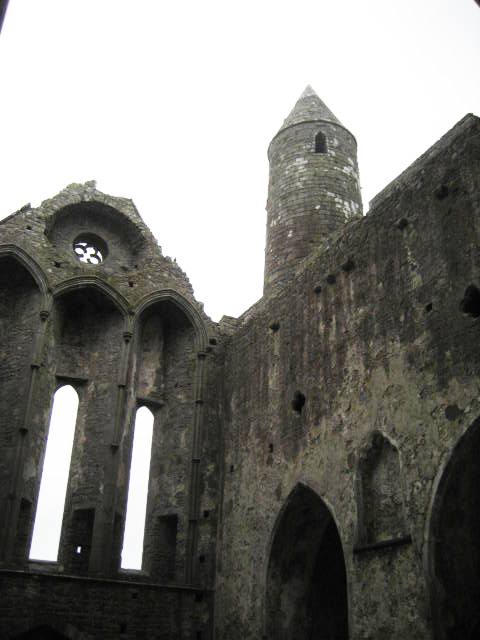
<point>132,551</point>
<point>56,467</point>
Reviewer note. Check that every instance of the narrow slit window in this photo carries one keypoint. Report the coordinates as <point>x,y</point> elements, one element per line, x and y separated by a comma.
<point>320,143</point>
<point>56,467</point>
<point>132,551</point>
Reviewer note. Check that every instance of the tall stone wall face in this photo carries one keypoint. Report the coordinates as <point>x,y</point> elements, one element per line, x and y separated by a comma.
<point>357,381</point>
<point>310,194</point>
<point>124,330</point>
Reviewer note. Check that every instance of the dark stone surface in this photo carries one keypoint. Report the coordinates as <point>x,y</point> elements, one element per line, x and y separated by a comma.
<point>313,468</point>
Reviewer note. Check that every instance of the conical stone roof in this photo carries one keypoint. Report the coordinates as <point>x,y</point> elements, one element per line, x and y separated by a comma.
<point>309,108</point>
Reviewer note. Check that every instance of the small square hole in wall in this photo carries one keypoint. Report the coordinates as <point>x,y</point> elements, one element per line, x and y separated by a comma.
<point>78,550</point>
<point>232,468</point>
<point>199,596</point>
<point>202,558</point>
<point>274,326</point>
<point>298,402</point>
<point>442,192</point>
<point>206,513</point>
<point>429,307</point>
<point>348,266</point>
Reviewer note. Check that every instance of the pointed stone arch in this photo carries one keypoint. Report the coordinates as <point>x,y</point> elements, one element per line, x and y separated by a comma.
<point>453,542</point>
<point>90,322</point>
<point>182,304</point>
<point>171,341</point>
<point>111,228</point>
<point>22,257</point>
<point>93,282</point>
<point>306,585</point>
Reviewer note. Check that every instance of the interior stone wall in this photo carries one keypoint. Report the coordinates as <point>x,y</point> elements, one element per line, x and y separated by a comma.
<point>84,609</point>
<point>372,332</point>
<point>124,333</point>
<point>20,306</point>
<point>166,375</point>
<point>373,338</point>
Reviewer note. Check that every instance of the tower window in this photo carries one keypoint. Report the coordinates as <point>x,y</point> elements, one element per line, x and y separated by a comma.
<point>320,143</point>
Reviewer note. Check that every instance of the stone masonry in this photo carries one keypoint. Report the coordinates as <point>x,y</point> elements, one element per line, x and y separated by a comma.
<point>314,465</point>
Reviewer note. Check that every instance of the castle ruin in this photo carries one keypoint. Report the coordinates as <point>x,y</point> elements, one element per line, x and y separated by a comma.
<point>314,468</point>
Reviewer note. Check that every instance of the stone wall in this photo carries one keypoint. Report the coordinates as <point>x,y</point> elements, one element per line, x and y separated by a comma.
<point>83,609</point>
<point>307,457</point>
<point>124,330</point>
<point>370,337</point>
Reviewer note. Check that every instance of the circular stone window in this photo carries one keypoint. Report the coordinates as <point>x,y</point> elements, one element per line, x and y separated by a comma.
<point>90,249</point>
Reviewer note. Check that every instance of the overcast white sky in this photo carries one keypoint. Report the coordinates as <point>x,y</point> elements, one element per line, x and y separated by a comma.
<point>173,104</point>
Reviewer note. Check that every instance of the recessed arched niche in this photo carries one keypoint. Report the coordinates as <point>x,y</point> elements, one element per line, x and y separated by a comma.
<point>95,235</point>
<point>166,341</point>
<point>88,329</point>
<point>20,301</point>
<point>166,357</point>
<point>87,339</point>
<point>20,305</point>
<point>380,506</point>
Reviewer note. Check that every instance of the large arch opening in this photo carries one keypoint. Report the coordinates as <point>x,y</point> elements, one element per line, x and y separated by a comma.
<point>454,544</point>
<point>306,581</point>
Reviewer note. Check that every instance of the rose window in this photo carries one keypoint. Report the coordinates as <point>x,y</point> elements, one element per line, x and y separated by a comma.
<point>90,249</point>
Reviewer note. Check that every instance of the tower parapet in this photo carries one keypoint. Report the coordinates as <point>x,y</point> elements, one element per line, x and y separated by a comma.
<point>313,188</point>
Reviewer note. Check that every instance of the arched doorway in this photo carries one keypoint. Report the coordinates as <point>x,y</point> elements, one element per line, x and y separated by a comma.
<point>306,582</point>
<point>454,544</point>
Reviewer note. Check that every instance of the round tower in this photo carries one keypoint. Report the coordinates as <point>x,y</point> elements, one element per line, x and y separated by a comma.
<point>313,188</point>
